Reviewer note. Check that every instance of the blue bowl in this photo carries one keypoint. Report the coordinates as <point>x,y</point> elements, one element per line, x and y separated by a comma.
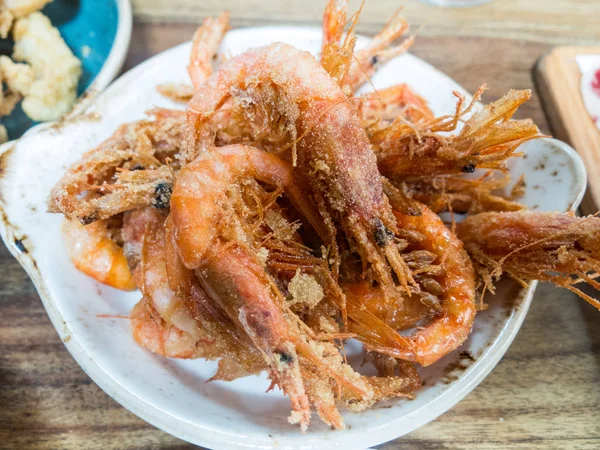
<point>90,29</point>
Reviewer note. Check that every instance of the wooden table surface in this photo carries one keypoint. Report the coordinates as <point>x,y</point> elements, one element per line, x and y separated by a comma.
<point>552,21</point>
<point>544,394</point>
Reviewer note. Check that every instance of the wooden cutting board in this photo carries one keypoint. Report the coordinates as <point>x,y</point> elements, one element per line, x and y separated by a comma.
<point>558,80</point>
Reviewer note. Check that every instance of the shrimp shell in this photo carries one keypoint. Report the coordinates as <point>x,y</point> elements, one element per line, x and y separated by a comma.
<point>126,171</point>
<point>93,251</point>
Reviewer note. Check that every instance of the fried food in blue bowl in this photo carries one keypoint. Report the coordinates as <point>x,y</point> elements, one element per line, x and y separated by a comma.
<point>53,52</point>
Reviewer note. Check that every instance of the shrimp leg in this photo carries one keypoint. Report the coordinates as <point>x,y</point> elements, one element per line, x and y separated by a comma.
<point>396,103</point>
<point>378,52</point>
<point>487,140</point>
<point>461,195</point>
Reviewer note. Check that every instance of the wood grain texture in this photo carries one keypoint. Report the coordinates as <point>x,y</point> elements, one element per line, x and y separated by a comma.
<point>552,21</point>
<point>544,394</point>
<point>559,79</point>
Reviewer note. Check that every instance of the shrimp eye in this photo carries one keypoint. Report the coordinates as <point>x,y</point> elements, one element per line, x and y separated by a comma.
<point>469,168</point>
<point>286,358</point>
<point>162,195</point>
<point>374,60</point>
<point>86,220</point>
<point>382,235</point>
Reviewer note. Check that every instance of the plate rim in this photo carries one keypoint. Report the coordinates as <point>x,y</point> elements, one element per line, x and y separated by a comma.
<point>120,47</point>
<point>196,433</point>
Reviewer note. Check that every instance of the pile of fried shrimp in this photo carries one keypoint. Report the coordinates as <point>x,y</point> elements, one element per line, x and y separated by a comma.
<point>280,215</point>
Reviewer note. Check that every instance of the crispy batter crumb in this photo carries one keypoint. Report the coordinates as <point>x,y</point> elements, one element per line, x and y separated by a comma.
<point>320,165</point>
<point>282,229</point>
<point>304,289</point>
<point>297,417</point>
<point>328,325</point>
<point>262,254</point>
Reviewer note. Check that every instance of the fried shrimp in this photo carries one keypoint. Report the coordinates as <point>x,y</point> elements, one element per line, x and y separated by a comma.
<point>327,146</point>
<point>488,138</point>
<point>278,217</point>
<point>237,357</point>
<point>126,171</point>
<point>172,319</point>
<point>461,195</point>
<point>153,281</point>
<point>95,252</point>
<point>379,51</point>
<point>161,322</point>
<point>351,69</point>
<point>453,280</point>
<point>209,177</point>
<point>210,243</point>
<point>232,277</point>
<point>527,245</point>
<point>205,44</point>
<point>324,376</point>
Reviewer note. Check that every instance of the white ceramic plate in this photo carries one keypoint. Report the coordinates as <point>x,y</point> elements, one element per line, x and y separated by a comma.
<point>173,395</point>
